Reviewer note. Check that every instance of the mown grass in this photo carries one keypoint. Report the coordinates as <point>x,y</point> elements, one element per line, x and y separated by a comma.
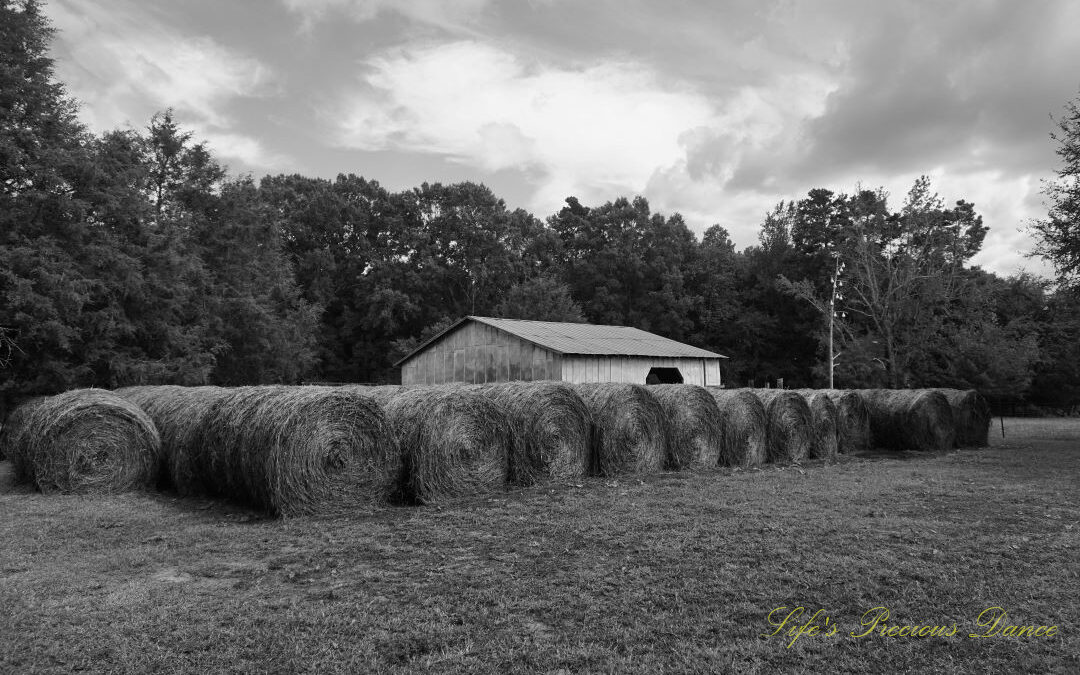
<point>1033,428</point>
<point>672,573</point>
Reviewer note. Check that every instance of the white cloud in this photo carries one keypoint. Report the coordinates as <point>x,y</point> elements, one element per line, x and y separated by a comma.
<point>123,66</point>
<point>599,131</point>
<point>248,150</point>
<point>603,129</point>
<point>735,168</point>
<point>1007,204</point>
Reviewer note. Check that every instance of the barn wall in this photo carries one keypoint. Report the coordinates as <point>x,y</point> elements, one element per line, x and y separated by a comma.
<point>478,353</point>
<point>712,372</point>
<point>634,369</point>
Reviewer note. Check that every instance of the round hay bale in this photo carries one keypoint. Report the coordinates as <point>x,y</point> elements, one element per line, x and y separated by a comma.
<point>910,419</point>
<point>790,425</point>
<point>971,414</point>
<point>178,413</point>
<point>696,435</point>
<point>826,423</point>
<point>552,428</point>
<point>85,441</point>
<point>743,423</point>
<point>454,442</point>
<point>853,420</point>
<point>630,429</point>
<point>296,450</point>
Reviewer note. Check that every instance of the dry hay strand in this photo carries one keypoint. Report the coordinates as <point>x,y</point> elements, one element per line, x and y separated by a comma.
<point>971,414</point>
<point>910,419</point>
<point>789,425</point>
<point>696,434</point>
<point>853,420</point>
<point>454,442</point>
<point>85,441</point>
<point>296,450</point>
<point>826,419</point>
<point>743,423</point>
<point>552,429</point>
<point>630,429</point>
<point>178,414</point>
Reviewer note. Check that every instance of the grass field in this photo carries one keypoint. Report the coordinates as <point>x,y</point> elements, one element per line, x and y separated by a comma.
<point>674,573</point>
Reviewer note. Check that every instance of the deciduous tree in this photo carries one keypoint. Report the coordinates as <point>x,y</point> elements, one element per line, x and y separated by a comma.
<point>1059,233</point>
<point>542,298</point>
<point>905,271</point>
<point>628,266</point>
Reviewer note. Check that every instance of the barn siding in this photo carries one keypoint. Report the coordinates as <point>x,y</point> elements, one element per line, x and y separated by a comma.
<point>470,363</point>
<point>526,360</point>
<point>514,354</point>
<point>502,363</point>
<point>634,369</point>
<point>492,354</point>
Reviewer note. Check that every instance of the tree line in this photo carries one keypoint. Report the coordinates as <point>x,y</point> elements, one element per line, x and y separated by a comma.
<point>134,257</point>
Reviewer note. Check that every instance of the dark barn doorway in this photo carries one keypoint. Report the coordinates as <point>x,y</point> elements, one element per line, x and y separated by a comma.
<point>664,376</point>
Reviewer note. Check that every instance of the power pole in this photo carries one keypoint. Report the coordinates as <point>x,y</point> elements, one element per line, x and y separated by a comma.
<point>838,267</point>
<point>805,290</point>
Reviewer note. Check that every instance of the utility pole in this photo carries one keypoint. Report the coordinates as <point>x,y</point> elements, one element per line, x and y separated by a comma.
<point>838,267</point>
<point>805,290</point>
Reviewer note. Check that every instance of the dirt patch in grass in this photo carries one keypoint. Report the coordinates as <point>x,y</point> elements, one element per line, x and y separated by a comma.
<point>674,573</point>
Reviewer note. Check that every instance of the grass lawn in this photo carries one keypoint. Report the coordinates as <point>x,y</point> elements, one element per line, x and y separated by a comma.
<point>673,573</point>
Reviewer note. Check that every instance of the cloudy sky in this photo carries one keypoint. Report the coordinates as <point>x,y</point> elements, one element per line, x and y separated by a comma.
<point>714,109</point>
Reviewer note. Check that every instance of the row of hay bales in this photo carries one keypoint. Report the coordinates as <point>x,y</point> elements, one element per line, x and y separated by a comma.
<point>927,419</point>
<point>298,450</point>
<point>287,450</point>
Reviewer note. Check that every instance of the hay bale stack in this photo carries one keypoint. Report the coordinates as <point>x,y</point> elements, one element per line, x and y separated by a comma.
<point>454,442</point>
<point>178,414</point>
<point>696,435</point>
<point>296,450</point>
<point>85,441</point>
<point>552,429</point>
<point>971,414</point>
<point>826,419</point>
<point>853,420</point>
<point>630,430</point>
<point>790,425</point>
<point>910,419</point>
<point>743,423</point>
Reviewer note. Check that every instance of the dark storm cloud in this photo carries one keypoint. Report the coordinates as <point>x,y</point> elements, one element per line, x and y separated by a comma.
<point>965,84</point>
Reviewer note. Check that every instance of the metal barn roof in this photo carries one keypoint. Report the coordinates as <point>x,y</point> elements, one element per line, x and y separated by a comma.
<point>584,338</point>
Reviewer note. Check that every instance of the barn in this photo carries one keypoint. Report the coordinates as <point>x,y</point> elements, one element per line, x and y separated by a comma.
<point>480,349</point>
